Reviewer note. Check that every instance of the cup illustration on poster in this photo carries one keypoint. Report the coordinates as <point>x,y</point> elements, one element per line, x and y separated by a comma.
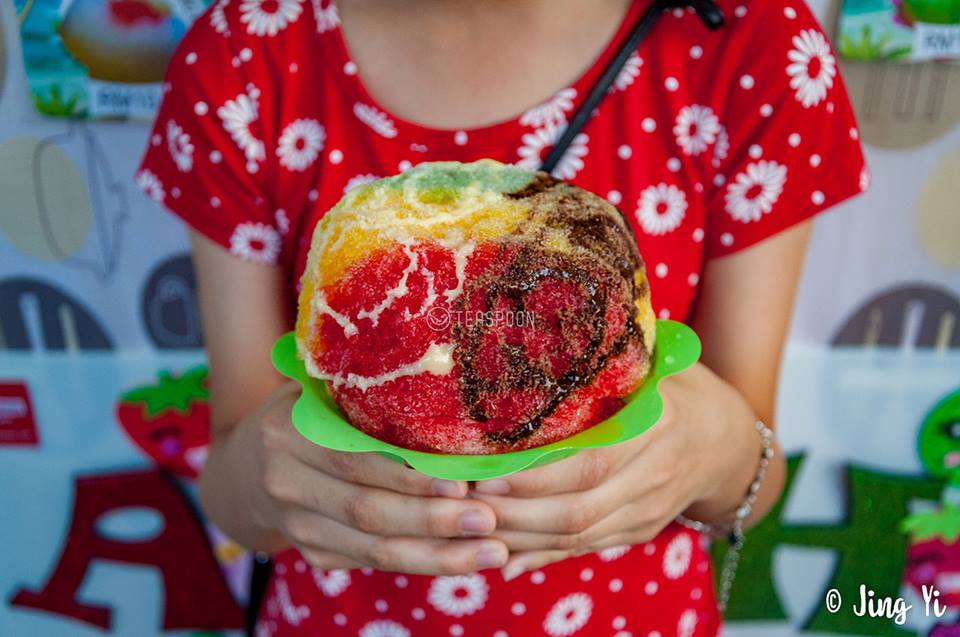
<point>100,58</point>
<point>908,30</point>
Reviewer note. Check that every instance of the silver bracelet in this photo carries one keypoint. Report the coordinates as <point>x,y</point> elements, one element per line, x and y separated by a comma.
<point>733,531</point>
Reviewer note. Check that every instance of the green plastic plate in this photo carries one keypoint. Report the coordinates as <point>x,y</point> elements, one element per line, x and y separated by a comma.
<point>317,418</point>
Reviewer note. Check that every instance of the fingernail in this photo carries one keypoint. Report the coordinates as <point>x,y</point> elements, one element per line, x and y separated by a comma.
<point>476,522</point>
<point>493,487</point>
<point>490,558</point>
<point>511,571</point>
<point>447,488</point>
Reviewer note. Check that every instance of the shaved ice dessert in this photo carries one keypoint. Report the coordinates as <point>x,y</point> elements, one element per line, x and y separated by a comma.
<point>474,308</point>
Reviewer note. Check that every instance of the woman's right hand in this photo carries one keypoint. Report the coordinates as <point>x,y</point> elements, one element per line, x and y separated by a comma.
<point>348,510</point>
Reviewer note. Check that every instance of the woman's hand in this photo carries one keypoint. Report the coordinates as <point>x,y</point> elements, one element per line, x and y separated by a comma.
<point>345,510</point>
<point>702,453</point>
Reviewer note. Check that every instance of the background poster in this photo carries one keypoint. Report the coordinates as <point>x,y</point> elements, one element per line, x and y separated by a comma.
<point>908,30</point>
<point>101,382</point>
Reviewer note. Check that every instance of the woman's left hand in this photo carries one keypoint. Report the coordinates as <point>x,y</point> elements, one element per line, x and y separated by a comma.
<point>701,454</point>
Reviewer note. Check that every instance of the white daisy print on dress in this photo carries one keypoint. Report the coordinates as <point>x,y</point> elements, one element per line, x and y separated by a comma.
<point>237,115</point>
<point>568,615</point>
<point>676,557</point>
<point>384,628</point>
<point>696,128</point>
<point>256,242</point>
<point>553,112</point>
<point>269,17</point>
<point>535,143</point>
<point>327,18</point>
<point>687,623</point>
<point>458,595</point>
<point>722,148</point>
<point>300,143</point>
<point>358,180</point>
<point>755,191</point>
<point>661,209</point>
<point>331,583</point>
<point>812,67</point>
<point>614,553</point>
<point>629,72</point>
<point>375,119</point>
<point>178,143</point>
<point>150,184</point>
<point>218,18</point>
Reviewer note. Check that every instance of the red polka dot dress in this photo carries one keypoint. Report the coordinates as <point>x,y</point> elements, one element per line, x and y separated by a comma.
<point>708,142</point>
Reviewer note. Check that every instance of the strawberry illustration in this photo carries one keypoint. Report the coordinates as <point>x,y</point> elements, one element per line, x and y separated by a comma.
<point>933,558</point>
<point>170,420</point>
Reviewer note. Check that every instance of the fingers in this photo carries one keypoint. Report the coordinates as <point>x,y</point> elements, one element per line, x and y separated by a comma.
<point>376,511</point>
<point>527,561</point>
<point>566,514</point>
<point>316,535</point>
<point>583,471</point>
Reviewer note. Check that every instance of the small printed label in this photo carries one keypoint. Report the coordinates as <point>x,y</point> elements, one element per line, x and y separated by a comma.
<point>17,424</point>
<point>936,41</point>
<point>113,99</point>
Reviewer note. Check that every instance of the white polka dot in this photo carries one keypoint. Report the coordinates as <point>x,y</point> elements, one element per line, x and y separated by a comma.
<point>350,68</point>
<point>340,619</point>
<point>678,12</point>
<point>404,166</point>
<point>190,58</point>
<point>252,167</point>
<point>794,139</point>
<point>175,192</point>
<point>854,134</point>
<point>747,82</point>
<point>815,160</point>
<point>501,633</point>
<point>235,62</point>
<point>648,125</point>
<point>674,165</point>
<point>817,198</point>
<point>401,581</point>
<point>698,237</point>
<point>336,156</point>
<point>313,195</point>
<point>366,570</point>
<point>246,54</point>
<point>456,630</point>
<point>586,574</point>
<point>740,11</point>
<point>155,140</point>
<point>619,622</point>
<point>726,239</point>
<point>719,180</point>
<point>381,605</point>
<point>460,138</point>
<point>649,548</point>
<point>614,197</point>
<point>537,577</point>
<point>215,202</point>
<point>830,107</point>
<point>702,567</point>
<point>671,83</point>
<point>201,108</point>
<point>696,594</point>
<point>623,633</point>
<point>294,67</point>
<point>766,110</point>
<point>790,13</point>
<point>693,279</point>
<point>299,566</point>
<point>661,270</point>
<point>624,152</point>
<point>518,608</point>
<point>696,52</point>
<point>698,187</point>
<point>616,585</point>
<point>651,588</point>
<point>755,151</point>
<point>655,633</point>
<point>418,613</point>
<point>215,156</point>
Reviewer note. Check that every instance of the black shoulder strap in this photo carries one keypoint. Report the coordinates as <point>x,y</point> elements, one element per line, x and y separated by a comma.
<point>708,11</point>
